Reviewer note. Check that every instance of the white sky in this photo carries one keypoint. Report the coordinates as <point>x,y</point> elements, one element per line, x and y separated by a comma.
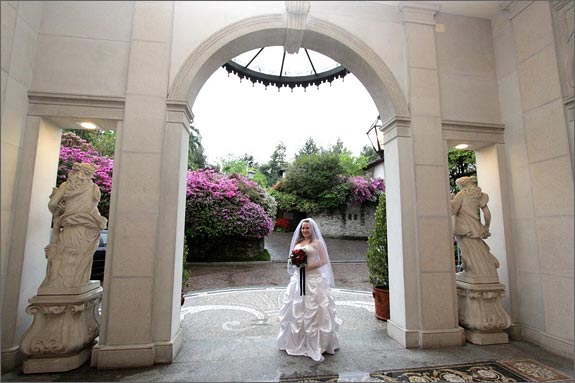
<point>236,118</point>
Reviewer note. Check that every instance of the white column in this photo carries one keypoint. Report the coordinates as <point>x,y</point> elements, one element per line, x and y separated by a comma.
<point>26,265</point>
<point>428,267</point>
<point>140,317</point>
<point>493,180</point>
<point>168,278</point>
<point>401,235</point>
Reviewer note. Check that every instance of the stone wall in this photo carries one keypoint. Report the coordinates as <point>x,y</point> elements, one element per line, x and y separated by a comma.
<point>353,222</point>
<point>226,249</point>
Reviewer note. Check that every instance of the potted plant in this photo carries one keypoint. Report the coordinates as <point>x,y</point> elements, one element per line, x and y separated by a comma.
<point>377,261</point>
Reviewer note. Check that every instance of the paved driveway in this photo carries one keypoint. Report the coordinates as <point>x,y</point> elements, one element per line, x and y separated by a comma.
<point>347,257</point>
<point>340,250</point>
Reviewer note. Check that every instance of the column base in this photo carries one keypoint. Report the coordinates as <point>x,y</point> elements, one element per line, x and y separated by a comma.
<point>57,364</point>
<point>136,355</point>
<point>482,338</point>
<point>11,358</point>
<point>515,332</point>
<point>426,338</point>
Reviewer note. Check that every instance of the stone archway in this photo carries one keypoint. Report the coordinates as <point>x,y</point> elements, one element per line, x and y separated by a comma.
<point>419,318</point>
<point>320,36</point>
<point>342,46</point>
<point>333,41</point>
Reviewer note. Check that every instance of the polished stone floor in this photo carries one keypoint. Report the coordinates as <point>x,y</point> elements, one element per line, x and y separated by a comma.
<point>229,336</point>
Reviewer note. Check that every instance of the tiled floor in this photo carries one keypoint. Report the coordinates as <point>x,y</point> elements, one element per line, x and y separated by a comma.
<point>229,336</point>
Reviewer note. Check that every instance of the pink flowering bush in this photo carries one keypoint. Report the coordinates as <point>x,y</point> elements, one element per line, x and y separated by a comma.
<point>365,189</point>
<point>222,206</point>
<point>75,149</point>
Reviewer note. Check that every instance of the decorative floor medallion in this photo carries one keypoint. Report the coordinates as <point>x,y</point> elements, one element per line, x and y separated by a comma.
<point>535,371</point>
<point>491,371</point>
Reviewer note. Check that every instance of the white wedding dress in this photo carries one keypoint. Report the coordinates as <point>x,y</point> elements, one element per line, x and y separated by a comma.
<point>308,324</point>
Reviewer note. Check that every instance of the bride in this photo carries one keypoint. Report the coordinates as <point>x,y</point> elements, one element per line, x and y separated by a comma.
<point>307,317</point>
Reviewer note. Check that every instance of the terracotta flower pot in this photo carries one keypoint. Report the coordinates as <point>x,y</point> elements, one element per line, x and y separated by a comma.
<point>381,297</point>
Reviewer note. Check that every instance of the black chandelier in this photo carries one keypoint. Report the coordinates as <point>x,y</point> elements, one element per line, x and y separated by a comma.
<point>281,80</point>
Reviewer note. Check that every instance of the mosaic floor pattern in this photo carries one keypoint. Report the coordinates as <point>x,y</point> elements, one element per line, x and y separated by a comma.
<point>489,371</point>
<point>245,314</point>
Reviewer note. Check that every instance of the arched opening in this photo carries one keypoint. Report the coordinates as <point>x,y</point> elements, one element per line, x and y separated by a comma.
<point>320,36</point>
<point>236,117</point>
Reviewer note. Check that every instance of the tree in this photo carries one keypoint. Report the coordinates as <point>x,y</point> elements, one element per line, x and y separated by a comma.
<point>368,152</point>
<point>196,156</point>
<point>310,176</point>
<point>461,164</point>
<point>103,141</point>
<point>308,148</point>
<point>339,148</point>
<point>233,165</point>
<point>277,165</point>
<point>352,166</point>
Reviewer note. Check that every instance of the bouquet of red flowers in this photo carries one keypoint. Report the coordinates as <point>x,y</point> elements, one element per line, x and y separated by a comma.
<point>298,257</point>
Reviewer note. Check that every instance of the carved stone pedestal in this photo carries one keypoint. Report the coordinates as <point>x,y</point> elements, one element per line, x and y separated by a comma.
<point>481,312</point>
<point>63,332</point>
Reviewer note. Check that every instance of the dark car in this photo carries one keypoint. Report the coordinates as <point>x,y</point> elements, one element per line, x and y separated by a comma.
<point>100,258</point>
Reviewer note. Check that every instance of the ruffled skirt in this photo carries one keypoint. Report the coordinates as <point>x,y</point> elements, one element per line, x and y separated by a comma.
<point>308,324</point>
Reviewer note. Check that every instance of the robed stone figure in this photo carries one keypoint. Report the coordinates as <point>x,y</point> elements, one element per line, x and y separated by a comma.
<point>76,229</point>
<point>479,292</point>
<point>65,309</point>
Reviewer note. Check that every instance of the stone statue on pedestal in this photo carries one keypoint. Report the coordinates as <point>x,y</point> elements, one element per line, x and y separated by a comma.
<point>479,265</point>
<point>76,229</point>
<point>66,317</point>
<point>479,292</point>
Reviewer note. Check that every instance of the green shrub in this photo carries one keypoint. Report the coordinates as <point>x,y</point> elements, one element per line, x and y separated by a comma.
<point>377,248</point>
<point>186,272</point>
<point>311,175</point>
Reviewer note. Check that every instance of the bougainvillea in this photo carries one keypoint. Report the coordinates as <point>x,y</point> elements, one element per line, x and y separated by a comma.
<point>75,149</point>
<point>218,205</point>
<point>365,189</point>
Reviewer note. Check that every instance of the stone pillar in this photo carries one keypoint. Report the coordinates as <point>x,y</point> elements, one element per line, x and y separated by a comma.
<point>493,180</point>
<point>143,268</point>
<point>167,292</point>
<point>30,227</point>
<point>427,315</point>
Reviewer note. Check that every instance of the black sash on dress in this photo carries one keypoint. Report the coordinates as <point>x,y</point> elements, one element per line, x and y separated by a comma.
<point>302,280</point>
